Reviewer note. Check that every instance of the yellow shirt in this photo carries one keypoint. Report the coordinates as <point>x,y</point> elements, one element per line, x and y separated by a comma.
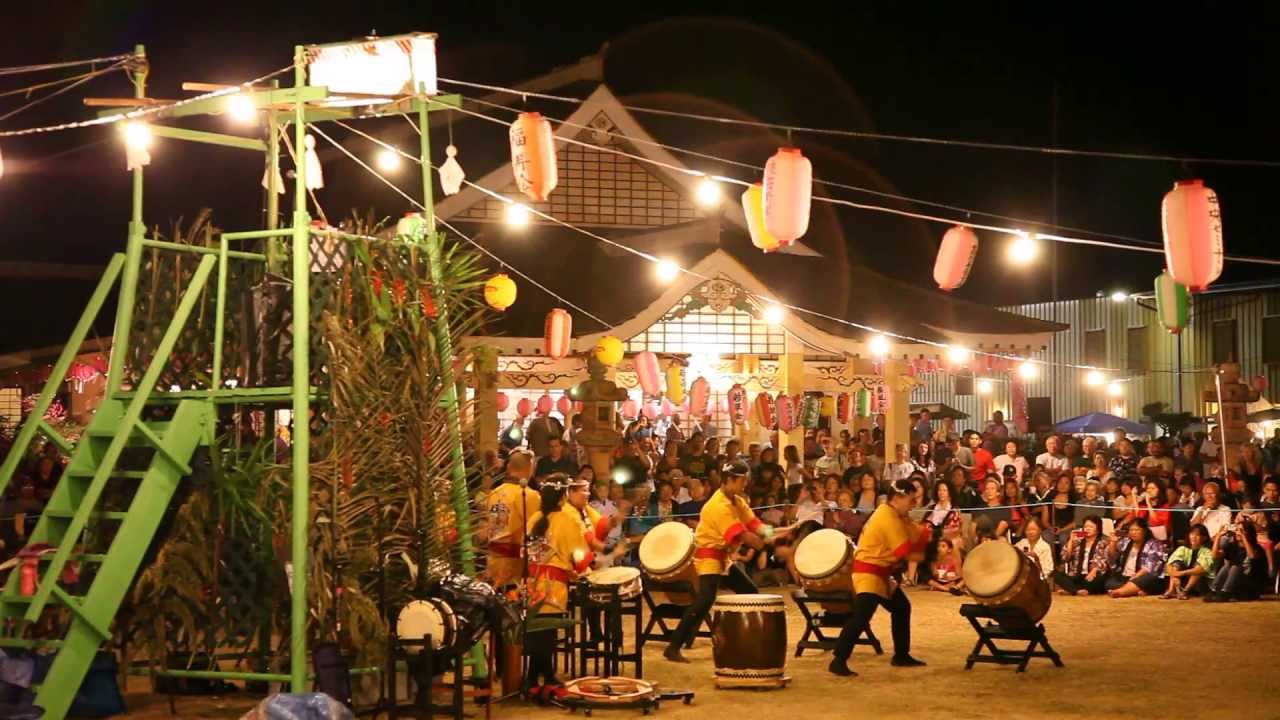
<point>553,560</point>
<point>720,525</point>
<point>885,541</point>
<point>506,529</point>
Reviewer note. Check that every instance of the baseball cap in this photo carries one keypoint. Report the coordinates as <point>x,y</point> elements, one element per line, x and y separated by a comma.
<point>1010,471</point>
<point>736,468</point>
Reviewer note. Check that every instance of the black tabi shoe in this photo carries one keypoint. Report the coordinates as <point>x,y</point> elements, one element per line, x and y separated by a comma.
<point>906,661</point>
<point>673,654</point>
<point>841,668</point>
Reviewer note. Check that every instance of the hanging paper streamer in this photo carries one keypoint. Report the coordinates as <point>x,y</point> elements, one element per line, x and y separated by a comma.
<point>523,407</point>
<point>451,173</point>
<point>272,183</point>
<point>786,413</point>
<point>764,410</point>
<point>812,410</point>
<point>564,405</point>
<point>315,176</point>
<point>828,408</point>
<point>862,403</point>
<point>699,394</point>
<point>502,402</point>
<point>648,374</point>
<point>628,409</point>
<point>737,397</point>
<point>675,383</point>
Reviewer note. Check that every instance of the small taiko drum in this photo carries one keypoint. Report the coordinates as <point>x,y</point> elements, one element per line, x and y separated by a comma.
<point>430,617</point>
<point>999,575</point>
<point>601,583</point>
<point>824,563</point>
<point>666,554</point>
<point>749,640</point>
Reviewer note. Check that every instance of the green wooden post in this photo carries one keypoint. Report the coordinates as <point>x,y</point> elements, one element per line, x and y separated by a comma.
<point>301,273</point>
<point>132,261</point>
<point>273,198</point>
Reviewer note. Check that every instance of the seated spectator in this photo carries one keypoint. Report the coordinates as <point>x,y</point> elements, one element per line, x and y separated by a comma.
<point>810,510</point>
<point>1153,508</point>
<point>946,569</point>
<point>1190,566</point>
<point>663,507</point>
<point>1061,515</point>
<point>964,495</point>
<point>1212,513</point>
<point>1011,458</point>
<point>866,498</point>
<point>1126,505</point>
<point>1137,563</point>
<point>831,486</point>
<point>994,517</point>
<point>945,519</point>
<point>1035,546</point>
<point>1242,574</point>
<point>774,514</point>
<point>1084,560</point>
<point>858,466</point>
<point>690,509</point>
<point>1012,499</point>
<point>1090,503</point>
<point>679,489</point>
<point>1100,471</point>
<point>923,462</point>
<point>844,518</point>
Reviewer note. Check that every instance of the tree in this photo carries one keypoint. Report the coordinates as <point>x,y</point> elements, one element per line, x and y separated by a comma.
<point>1172,423</point>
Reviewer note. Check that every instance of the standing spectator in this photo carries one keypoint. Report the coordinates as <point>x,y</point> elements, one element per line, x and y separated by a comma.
<point>983,463</point>
<point>555,461</point>
<point>996,429</point>
<point>1084,560</point>
<point>1075,459</point>
<point>947,431</point>
<point>1034,545</point>
<point>1211,513</point>
<point>1190,460</point>
<point>1052,458</point>
<point>923,429</point>
<point>964,458</point>
<point>768,468</point>
<point>795,469</point>
<point>1011,458</point>
<point>695,464</point>
<point>630,469</point>
<point>1190,566</point>
<point>923,462</point>
<point>858,466</point>
<point>540,432</point>
<point>1137,563</point>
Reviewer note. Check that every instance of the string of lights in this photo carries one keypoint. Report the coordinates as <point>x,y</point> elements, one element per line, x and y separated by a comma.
<point>867,135</point>
<point>21,69</point>
<point>73,83</point>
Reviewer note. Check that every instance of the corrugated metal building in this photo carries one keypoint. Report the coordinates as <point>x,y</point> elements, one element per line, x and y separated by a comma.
<point>1126,338</point>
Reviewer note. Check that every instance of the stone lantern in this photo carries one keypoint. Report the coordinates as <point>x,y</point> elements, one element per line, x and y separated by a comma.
<point>598,435</point>
<point>1232,397</point>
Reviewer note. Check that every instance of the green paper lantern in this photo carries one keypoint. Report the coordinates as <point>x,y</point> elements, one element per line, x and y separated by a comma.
<point>1171,303</point>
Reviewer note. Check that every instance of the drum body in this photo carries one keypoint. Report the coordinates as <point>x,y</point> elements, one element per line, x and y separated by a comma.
<point>601,582</point>
<point>749,640</point>
<point>666,554</point>
<point>431,616</point>
<point>999,575</point>
<point>824,563</point>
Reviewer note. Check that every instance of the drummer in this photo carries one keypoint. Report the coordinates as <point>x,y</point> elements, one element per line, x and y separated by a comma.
<point>558,554</point>
<point>887,540</point>
<point>509,507</point>
<point>726,521</point>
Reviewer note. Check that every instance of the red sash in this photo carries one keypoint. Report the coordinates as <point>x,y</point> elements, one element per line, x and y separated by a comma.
<point>506,550</point>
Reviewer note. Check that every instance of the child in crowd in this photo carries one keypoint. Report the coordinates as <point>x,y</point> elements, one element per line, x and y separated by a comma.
<point>946,569</point>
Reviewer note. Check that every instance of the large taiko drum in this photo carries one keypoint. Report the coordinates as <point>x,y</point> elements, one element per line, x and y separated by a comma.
<point>666,554</point>
<point>824,563</point>
<point>749,640</point>
<point>999,575</point>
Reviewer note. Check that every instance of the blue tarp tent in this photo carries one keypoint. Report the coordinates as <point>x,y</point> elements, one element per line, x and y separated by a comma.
<point>1100,423</point>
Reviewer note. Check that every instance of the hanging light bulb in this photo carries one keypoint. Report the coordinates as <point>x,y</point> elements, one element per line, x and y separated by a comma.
<point>241,108</point>
<point>957,354</point>
<point>1094,378</point>
<point>1023,249</point>
<point>1115,389</point>
<point>1027,370</point>
<point>983,387</point>
<point>773,314</point>
<point>708,193</point>
<point>387,160</point>
<point>878,345</point>
<point>516,215</point>
<point>667,270</point>
<point>137,135</point>
<point>1119,296</point>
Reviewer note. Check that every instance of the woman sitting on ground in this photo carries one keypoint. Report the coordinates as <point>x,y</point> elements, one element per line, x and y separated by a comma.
<point>1190,566</point>
<point>1084,560</point>
<point>1153,508</point>
<point>1243,573</point>
<point>1137,563</point>
<point>1034,545</point>
<point>946,569</point>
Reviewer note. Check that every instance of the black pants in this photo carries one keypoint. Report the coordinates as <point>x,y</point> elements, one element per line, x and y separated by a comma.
<point>736,580</point>
<point>541,647</point>
<point>864,606</point>
<point>1073,584</point>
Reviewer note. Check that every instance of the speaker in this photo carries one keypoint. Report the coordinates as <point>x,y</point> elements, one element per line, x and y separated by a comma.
<point>1039,414</point>
<point>964,385</point>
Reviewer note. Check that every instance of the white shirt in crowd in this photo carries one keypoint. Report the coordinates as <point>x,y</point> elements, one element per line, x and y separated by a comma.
<point>898,471</point>
<point>1018,462</point>
<point>829,465</point>
<point>1213,520</point>
<point>682,495</point>
<point>1053,462</point>
<point>810,510</point>
<point>795,475</point>
<point>1042,552</point>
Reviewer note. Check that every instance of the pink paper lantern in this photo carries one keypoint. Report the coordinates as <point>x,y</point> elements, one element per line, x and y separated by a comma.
<point>557,334</point>
<point>651,410</point>
<point>788,191</point>
<point>786,413</point>
<point>667,408</point>
<point>628,409</point>
<point>1192,223</point>
<point>502,402</point>
<point>699,394</point>
<point>544,404</point>
<point>648,373</point>
<point>524,407</point>
<point>955,258</point>
<point>564,405</point>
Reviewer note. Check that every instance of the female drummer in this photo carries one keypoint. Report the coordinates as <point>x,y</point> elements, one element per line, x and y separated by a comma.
<point>886,541</point>
<point>559,554</point>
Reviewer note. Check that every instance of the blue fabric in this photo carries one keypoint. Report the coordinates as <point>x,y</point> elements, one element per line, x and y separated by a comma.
<point>299,706</point>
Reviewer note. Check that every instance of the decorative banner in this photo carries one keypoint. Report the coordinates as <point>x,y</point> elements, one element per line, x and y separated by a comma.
<point>738,404</point>
<point>1171,303</point>
<point>648,374</point>
<point>812,409</point>
<point>1018,399</point>
<point>786,413</point>
<point>828,407</point>
<point>564,405</point>
<point>524,407</point>
<point>843,407</point>
<point>628,409</point>
<point>675,383</point>
<point>764,410</point>
<point>502,402</point>
<point>545,404</point>
<point>699,394</point>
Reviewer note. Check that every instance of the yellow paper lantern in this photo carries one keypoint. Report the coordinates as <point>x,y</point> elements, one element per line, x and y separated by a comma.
<point>753,209</point>
<point>828,407</point>
<point>608,351</point>
<point>500,292</point>
<point>675,383</point>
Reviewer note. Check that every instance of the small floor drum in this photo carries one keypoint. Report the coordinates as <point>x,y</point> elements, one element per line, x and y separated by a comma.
<point>431,616</point>
<point>666,554</point>
<point>999,575</point>
<point>824,563</point>
<point>749,640</point>
<point>601,582</point>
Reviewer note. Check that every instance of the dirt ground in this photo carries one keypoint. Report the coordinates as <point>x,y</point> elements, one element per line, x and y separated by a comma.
<point>1124,658</point>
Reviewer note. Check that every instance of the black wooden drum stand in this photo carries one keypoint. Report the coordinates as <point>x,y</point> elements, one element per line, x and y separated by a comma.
<point>816,621</point>
<point>600,634</point>
<point>660,613</point>
<point>1011,623</point>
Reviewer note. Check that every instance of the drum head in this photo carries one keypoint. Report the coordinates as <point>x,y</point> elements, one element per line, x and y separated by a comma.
<point>426,617</point>
<point>992,568</point>
<point>822,553</point>
<point>613,576</point>
<point>666,547</point>
<point>733,602</point>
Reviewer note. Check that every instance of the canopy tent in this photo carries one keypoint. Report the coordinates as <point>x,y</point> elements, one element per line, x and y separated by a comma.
<point>938,411</point>
<point>1271,414</point>
<point>1100,424</point>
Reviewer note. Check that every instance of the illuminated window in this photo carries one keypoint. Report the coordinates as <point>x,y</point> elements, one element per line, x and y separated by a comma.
<point>702,330</point>
<point>10,407</point>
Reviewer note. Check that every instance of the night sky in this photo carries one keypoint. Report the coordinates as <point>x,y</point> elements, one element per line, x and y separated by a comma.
<point>1181,79</point>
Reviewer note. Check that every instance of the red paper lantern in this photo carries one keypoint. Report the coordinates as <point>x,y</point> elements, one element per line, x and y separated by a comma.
<point>737,398</point>
<point>788,190</point>
<point>699,394</point>
<point>1260,383</point>
<point>524,407</point>
<point>557,334</point>
<point>1192,223</point>
<point>764,410</point>
<point>564,405</point>
<point>843,407</point>
<point>628,409</point>
<point>502,402</point>
<point>533,156</point>
<point>648,373</point>
<point>955,257</point>
<point>544,404</point>
<point>786,413</point>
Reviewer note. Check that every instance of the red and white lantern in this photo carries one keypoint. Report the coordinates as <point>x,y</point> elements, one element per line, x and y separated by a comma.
<point>955,258</point>
<point>737,397</point>
<point>843,407</point>
<point>788,191</point>
<point>1260,383</point>
<point>699,394</point>
<point>648,374</point>
<point>533,156</point>
<point>1192,222</point>
<point>557,334</point>
<point>764,410</point>
<point>545,404</point>
<point>786,413</point>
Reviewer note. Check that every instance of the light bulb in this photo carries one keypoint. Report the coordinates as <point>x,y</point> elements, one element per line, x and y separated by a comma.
<point>773,314</point>
<point>388,160</point>
<point>667,270</point>
<point>1119,296</point>
<point>1028,370</point>
<point>137,135</point>
<point>241,108</point>
<point>983,387</point>
<point>957,354</point>
<point>1094,378</point>
<point>1115,389</point>
<point>879,345</point>
<point>708,193</point>
<point>516,215</point>
<point>1023,249</point>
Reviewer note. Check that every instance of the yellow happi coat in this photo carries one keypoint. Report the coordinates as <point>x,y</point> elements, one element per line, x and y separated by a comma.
<point>886,540</point>
<point>720,527</point>
<point>507,522</point>
<point>552,564</point>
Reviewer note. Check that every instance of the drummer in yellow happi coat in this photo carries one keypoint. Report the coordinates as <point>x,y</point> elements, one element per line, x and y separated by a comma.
<point>509,506</point>
<point>887,540</point>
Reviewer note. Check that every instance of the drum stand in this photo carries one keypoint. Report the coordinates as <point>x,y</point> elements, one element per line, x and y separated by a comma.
<point>815,622</point>
<point>660,613</point>
<point>600,635</point>
<point>424,664</point>
<point>1011,623</point>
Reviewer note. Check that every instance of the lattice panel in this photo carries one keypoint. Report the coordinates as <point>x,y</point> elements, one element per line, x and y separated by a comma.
<point>704,331</point>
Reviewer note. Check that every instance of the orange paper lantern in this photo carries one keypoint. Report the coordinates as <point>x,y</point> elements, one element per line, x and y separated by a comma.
<point>699,394</point>
<point>788,190</point>
<point>753,209</point>
<point>955,258</point>
<point>764,410</point>
<point>533,156</point>
<point>1192,223</point>
<point>557,334</point>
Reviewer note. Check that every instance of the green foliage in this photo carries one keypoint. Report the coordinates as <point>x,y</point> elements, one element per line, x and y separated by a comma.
<point>1172,423</point>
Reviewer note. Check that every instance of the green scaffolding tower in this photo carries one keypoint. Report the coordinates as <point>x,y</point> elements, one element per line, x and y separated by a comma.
<point>126,442</point>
